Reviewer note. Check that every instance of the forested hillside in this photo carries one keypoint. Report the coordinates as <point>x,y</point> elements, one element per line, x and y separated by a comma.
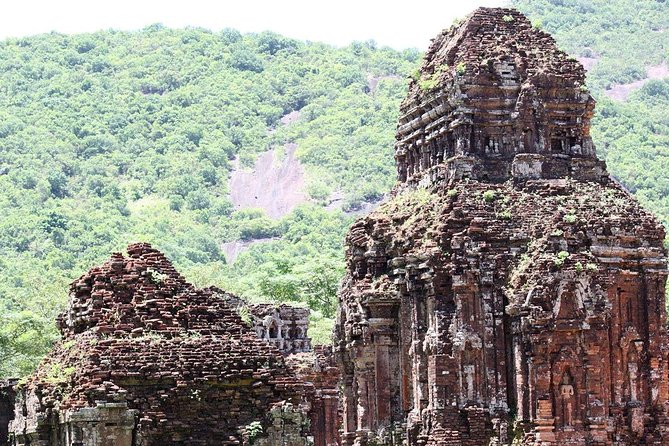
<point>114,137</point>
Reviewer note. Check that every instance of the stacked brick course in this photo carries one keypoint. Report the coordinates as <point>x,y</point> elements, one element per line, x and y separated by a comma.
<point>490,89</point>
<point>509,292</point>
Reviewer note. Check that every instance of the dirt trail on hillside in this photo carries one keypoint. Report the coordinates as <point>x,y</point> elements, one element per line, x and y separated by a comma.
<point>621,92</point>
<point>276,183</point>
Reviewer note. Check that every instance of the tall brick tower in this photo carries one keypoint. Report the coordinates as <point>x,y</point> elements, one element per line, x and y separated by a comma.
<point>509,291</point>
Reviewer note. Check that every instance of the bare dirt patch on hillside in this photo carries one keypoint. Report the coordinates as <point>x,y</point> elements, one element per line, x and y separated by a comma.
<point>276,183</point>
<point>588,62</point>
<point>290,117</point>
<point>231,250</point>
<point>621,92</point>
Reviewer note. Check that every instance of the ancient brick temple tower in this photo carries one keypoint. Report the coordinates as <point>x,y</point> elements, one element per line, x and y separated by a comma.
<point>509,292</point>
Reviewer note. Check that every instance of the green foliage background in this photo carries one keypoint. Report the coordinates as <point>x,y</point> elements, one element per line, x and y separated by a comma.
<point>114,137</point>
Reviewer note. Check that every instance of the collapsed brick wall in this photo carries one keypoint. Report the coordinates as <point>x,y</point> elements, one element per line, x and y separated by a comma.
<point>157,361</point>
<point>509,291</point>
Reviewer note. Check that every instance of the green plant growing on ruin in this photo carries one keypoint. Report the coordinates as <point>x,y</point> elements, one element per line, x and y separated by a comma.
<point>193,335</point>
<point>489,196</point>
<point>428,84</point>
<point>115,316</point>
<point>560,258</point>
<point>151,336</point>
<point>432,81</point>
<point>417,197</point>
<point>505,214</point>
<point>57,374</point>
<point>557,233</point>
<point>579,267</point>
<point>245,314</point>
<point>461,69</point>
<point>569,218</point>
<point>591,267</point>
<point>254,430</point>
<point>68,344</point>
<point>452,193</point>
<point>517,433</point>
<point>155,277</point>
<point>507,18</point>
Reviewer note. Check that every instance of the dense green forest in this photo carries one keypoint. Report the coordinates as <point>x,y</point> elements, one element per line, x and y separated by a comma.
<point>114,137</point>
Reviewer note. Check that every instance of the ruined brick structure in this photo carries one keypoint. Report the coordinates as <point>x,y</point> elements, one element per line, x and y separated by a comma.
<point>283,326</point>
<point>319,368</point>
<point>509,291</point>
<point>147,359</point>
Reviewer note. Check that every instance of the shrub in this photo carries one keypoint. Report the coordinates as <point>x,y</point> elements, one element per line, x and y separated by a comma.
<point>489,196</point>
<point>560,258</point>
<point>427,84</point>
<point>569,218</point>
<point>505,215</point>
<point>155,277</point>
<point>254,430</point>
<point>58,374</point>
